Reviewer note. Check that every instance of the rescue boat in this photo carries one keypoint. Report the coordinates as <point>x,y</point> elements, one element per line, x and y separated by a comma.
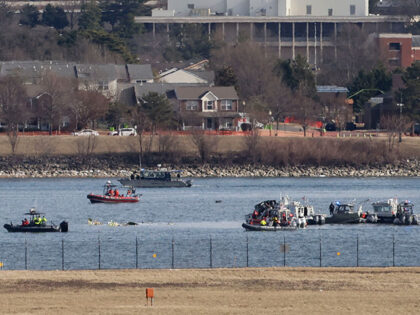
<point>111,194</point>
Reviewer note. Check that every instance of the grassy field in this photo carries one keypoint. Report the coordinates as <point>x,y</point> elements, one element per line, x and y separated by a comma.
<point>38,145</point>
<point>213,291</point>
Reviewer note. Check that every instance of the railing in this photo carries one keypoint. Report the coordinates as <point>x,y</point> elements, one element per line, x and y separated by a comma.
<point>253,249</point>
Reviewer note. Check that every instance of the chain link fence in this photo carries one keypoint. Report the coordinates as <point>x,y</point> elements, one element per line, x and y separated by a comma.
<point>247,250</point>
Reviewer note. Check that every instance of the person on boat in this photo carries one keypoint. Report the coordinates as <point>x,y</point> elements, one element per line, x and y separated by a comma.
<point>37,220</point>
<point>117,193</point>
<point>263,222</point>
<point>128,192</point>
<point>331,208</point>
<point>275,221</point>
<point>43,220</point>
<point>111,192</point>
<point>25,222</point>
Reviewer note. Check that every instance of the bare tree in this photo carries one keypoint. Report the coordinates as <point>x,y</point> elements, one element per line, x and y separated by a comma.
<point>86,145</point>
<point>356,50</point>
<point>252,142</point>
<point>13,101</point>
<point>394,126</point>
<point>204,144</point>
<point>53,105</point>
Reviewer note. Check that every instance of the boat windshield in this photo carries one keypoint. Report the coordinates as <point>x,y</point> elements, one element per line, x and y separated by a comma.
<point>382,208</point>
<point>345,208</point>
<point>156,175</point>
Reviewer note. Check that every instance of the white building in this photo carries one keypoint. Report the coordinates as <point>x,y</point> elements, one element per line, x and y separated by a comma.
<point>269,7</point>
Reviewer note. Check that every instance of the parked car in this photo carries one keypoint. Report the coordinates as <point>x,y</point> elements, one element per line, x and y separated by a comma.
<point>86,132</point>
<point>330,126</point>
<point>417,129</point>
<point>123,132</point>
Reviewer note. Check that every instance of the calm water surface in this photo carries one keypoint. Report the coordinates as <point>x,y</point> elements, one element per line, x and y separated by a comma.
<point>186,227</point>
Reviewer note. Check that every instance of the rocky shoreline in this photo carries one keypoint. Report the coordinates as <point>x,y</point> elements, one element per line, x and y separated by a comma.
<point>69,169</point>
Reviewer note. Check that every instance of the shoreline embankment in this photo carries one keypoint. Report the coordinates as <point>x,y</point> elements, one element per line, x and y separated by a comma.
<point>104,167</point>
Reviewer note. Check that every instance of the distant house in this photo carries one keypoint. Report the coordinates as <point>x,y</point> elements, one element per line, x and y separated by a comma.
<point>186,76</point>
<point>336,107</point>
<point>207,107</point>
<point>105,78</point>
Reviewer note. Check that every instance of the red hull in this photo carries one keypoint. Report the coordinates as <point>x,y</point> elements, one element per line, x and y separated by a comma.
<point>111,199</point>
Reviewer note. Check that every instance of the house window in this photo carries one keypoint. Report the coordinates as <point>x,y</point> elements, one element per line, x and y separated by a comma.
<point>190,6</point>
<point>226,105</point>
<point>103,86</point>
<point>192,105</point>
<point>209,105</point>
<point>330,12</point>
<point>394,46</point>
<point>308,9</point>
<point>352,9</point>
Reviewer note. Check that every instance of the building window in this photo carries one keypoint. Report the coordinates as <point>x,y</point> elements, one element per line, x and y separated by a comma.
<point>209,105</point>
<point>330,12</point>
<point>103,86</point>
<point>352,9</point>
<point>191,6</point>
<point>226,105</point>
<point>191,105</point>
<point>308,9</point>
<point>394,46</point>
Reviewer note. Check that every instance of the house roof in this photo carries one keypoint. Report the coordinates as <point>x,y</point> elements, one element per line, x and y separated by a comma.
<point>96,72</point>
<point>331,89</point>
<point>187,76</point>
<point>35,69</point>
<point>139,72</point>
<point>196,92</point>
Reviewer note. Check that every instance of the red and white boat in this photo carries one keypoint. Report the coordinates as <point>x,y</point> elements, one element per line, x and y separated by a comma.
<point>111,194</point>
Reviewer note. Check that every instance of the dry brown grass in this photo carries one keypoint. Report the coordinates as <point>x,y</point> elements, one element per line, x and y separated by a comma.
<point>215,291</point>
<point>269,150</point>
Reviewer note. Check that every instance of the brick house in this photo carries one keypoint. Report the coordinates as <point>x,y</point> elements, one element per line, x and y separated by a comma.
<point>399,50</point>
<point>214,108</point>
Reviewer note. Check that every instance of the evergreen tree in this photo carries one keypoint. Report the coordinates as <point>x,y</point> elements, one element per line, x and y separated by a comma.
<point>29,16</point>
<point>369,84</point>
<point>55,17</point>
<point>410,95</point>
<point>90,17</point>
<point>226,77</point>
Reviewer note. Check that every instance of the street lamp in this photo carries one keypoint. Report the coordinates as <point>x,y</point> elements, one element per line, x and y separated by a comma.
<point>400,105</point>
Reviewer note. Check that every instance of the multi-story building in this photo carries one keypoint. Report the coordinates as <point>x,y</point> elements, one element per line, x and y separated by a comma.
<point>269,7</point>
<point>399,50</point>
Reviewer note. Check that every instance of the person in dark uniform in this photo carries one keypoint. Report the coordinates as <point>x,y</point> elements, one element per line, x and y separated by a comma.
<point>331,208</point>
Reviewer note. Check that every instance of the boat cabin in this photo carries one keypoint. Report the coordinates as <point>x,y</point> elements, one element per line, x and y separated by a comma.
<point>344,208</point>
<point>382,207</point>
<point>163,175</point>
<point>405,207</point>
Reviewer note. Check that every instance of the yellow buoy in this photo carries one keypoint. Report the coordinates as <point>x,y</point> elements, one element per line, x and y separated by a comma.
<point>154,255</point>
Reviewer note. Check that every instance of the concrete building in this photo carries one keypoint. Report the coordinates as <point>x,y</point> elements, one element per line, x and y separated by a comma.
<point>268,7</point>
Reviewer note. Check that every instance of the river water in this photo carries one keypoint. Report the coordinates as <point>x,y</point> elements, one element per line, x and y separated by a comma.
<point>200,227</point>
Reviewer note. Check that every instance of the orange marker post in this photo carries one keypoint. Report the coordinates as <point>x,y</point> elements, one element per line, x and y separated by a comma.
<point>150,294</point>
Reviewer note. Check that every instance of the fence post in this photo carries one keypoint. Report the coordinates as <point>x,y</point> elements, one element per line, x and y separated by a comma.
<point>99,252</point>
<point>320,249</point>
<point>211,253</point>
<point>137,253</point>
<point>26,255</point>
<point>284,250</point>
<point>247,251</point>
<point>393,250</point>
<point>173,253</point>
<point>62,254</point>
<point>357,251</point>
